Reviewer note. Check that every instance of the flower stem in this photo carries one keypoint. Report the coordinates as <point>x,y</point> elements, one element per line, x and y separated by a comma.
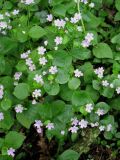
<point>78,6</point>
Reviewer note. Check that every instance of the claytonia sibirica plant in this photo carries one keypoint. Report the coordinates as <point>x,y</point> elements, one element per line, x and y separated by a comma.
<point>59,76</point>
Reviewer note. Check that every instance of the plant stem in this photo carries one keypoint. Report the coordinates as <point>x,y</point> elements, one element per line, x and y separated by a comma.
<point>78,6</point>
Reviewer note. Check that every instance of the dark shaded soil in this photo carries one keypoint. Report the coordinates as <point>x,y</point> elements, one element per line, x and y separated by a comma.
<point>36,147</point>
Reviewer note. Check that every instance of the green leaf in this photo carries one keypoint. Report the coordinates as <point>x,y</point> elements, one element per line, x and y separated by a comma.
<point>88,71</point>
<point>2,64</point>
<point>74,83</point>
<point>21,91</point>
<point>66,93</point>
<point>102,50</point>
<point>50,111</point>
<point>8,121</point>
<point>108,92</point>
<point>116,39</point>
<point>6,104</point>
<point>36,32</point>
<point>8,45</point>
<point>62,76</point>
<point>27,117</point>
<point>52,88</point>
<point>69,155</point>
<point>80,53</point>
<point>117,5</point>
<point>14,139</point>
<point>59,10</point>
<point>62,59</point>
<point>22,35</point>
<point>108,135</point>
<point>102,105</point>
<point>80,98</point>
<point>114,103</point>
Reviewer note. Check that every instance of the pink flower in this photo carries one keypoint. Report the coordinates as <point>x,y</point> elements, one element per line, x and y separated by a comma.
<point>49,17</point>
<point>1,116</point>
<point>73,129</point>
<point>11,152</point>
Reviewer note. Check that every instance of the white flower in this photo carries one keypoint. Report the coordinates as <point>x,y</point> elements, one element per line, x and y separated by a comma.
<point>11,152</point>
<point>34,101</point>
<point>62,132</point>
<point>56,48</point>
<point>32,67</point>
<point>74,121</point>
<point>1,116</point>
<point>53,70</point>
<point>118,76</point>
<point>105,83</point>
<point>49,17</point>
<point>45,43</point>
<point>76,18</point>
<point>7,14</point>
<point>84,1</point>
<point>1,91</point>
<point>36,93</point>
<point>44,73</point>
<point>73,129</point>
<point>99,72</point>
<point>38,79</point>
<point>92,5</point>
<point>23,32</point>
<point>1,16</point>
<point>102,128</point>
<point>3,25</point>
<point>50,126</point>
<point>41,50</point>
<point>29,61</point>
<point>109,127</point>
<point>66,18</point>
<point>43,61</point>
<point>15,12</point>
<point>17,75</point>
<point>19,108</point>
<point>79,28</point>
<point>28,2</point>
<point>111,85</point>
<point>100,112</point>
<point>38,123</point>
<point>89,107</point>
<point>85,43</point>
<point>94,124</point>
<point>118,90</point>
<point>60,23</point>
<point>15,83</point>
<point>89,37</point>
<point>24,55</point>
<point>83,123</point>
<point>78,73</point>
<point>58,40</point>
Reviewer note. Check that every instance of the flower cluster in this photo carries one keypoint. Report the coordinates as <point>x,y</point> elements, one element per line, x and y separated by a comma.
<point>5,23</point>
<point>38,125</point>
<point>99,72</point>
<point>87,41</point>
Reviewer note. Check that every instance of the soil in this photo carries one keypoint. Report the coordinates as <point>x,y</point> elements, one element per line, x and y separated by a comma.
<point>36,147</point>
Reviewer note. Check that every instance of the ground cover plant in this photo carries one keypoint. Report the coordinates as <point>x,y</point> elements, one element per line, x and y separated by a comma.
<point>59,79</point>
